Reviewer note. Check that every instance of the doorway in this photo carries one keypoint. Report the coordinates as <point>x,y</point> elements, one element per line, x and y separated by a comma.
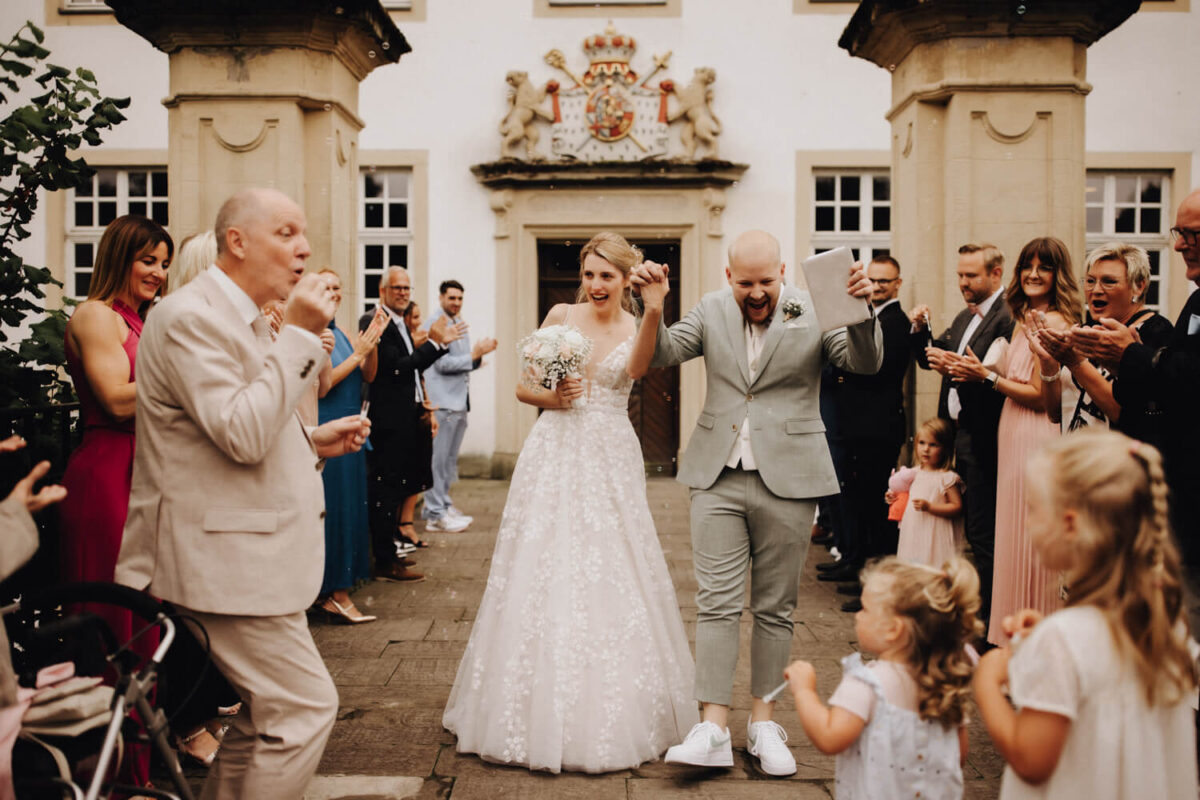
<point>654,401</point>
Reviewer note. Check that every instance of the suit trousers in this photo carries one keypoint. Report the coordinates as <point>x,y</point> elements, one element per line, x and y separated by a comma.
<point>289,706</point>
<point>740,527</point>
<point>979,506</point>
<point>452,425</point>
<point>863,470</point>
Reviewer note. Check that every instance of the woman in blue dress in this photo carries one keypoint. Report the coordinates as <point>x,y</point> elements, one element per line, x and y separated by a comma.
<point>347,537</point>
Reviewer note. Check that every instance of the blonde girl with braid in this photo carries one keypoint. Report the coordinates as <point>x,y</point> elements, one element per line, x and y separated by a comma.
<point>1103,688</point>
<point>898,724</point>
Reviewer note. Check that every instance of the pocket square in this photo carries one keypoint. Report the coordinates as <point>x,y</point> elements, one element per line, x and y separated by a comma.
<point>1193,324</point>
<point>794,324</point>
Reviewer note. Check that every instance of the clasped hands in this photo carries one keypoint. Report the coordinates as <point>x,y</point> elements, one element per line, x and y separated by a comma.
<point>651,280</point>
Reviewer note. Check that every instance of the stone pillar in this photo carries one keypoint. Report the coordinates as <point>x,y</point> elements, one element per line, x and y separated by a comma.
<point>987,131</point>
<point>266,94</point>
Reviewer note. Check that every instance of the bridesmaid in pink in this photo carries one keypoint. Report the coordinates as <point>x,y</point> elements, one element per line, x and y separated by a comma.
<point>101,346</point>
<point>1044,286</point>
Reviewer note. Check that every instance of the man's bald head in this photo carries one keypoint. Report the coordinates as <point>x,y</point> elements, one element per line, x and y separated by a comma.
<point>755,273</point>
<point>1187,218</point>
<point>754,247</point>
<point>243,209</point>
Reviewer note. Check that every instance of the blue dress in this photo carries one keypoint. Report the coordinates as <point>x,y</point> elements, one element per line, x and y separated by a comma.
<point>347,537</point>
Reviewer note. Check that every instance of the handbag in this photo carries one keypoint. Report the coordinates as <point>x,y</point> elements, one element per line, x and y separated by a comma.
<point>996,357</point>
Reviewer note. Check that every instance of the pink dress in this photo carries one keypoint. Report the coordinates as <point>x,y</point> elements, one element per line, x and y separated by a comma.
<point>927,538</point>
<point>1020,581</point>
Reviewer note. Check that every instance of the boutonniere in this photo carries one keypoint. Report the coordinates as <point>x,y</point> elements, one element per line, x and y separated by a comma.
<point>793,307</point>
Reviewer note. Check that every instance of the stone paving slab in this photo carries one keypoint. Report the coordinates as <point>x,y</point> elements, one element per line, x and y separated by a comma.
<point>394,677</point>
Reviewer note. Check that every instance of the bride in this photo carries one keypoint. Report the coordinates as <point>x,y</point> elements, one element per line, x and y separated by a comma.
<point>578,658</point>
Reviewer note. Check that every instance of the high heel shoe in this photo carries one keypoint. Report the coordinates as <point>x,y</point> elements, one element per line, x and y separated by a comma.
<point>347,612</point>
<point>414,539</point>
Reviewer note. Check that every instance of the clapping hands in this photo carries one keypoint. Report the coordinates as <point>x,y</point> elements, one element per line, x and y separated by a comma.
<point>442,332</point>
<point>23,490</point>
<point>1104,343</point>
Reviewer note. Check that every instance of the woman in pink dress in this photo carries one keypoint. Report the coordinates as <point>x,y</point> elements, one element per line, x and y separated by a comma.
<point>1043,286</point>
<point>101,345</point>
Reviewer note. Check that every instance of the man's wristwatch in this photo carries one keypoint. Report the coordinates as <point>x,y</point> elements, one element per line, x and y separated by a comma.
<point>993,379</point>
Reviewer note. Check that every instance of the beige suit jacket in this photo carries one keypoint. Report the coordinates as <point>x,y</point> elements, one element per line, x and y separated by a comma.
<point>18,543</point>
<point>226,509</point>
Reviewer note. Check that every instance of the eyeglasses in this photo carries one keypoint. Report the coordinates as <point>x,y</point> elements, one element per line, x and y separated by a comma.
<point>883,281</point>
<point>1189,235</point>
<point>399,288</point>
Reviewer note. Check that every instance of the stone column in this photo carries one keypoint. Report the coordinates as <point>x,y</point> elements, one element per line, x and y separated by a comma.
<point>987,131</point>
<point>266,94</point>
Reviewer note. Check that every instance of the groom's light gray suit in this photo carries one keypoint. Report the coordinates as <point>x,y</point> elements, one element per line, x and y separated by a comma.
<point>756,520</point>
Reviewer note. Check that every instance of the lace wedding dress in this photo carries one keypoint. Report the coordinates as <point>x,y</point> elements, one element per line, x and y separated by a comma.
<point>577,659</point>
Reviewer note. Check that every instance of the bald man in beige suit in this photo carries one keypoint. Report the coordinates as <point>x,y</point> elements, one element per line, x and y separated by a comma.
<point>226,509</point>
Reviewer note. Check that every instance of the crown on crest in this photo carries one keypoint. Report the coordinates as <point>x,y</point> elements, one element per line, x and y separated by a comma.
<point>609,46</point>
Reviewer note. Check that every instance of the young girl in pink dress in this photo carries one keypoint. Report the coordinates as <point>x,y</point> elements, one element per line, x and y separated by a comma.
<point>1103,689</point>
<point>931,530</point>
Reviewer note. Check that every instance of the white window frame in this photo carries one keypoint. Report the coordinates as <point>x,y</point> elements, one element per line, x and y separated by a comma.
<point>90,234</point>
<point>1158,243</point>
<point>873,241</point>
<point>85,7</point>
<point>385,236</point>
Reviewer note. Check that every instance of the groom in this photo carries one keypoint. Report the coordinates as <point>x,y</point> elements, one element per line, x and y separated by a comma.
<point>756,463</point>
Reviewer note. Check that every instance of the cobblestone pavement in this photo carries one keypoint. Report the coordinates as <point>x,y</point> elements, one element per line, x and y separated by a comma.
<point>394,676</point>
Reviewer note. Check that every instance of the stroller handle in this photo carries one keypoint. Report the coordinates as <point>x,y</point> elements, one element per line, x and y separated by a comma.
<point>116,594</point>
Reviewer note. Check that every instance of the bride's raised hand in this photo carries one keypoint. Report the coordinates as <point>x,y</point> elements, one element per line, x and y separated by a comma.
<point>654,291</point>
<point>568,390</point>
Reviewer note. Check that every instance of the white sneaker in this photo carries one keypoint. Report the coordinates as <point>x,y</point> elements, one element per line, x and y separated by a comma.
<point>454,512</point>
<point>403,548</point>
<point>766,740</point>
<point>706,745</point>
<point>447,524</point>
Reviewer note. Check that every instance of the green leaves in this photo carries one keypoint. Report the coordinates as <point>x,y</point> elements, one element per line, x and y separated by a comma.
<point>35,140</point>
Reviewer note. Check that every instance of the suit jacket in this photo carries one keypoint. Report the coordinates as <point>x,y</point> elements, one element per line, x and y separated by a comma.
<point>1170,377</point>
<point>448,380</point>
<point>18,543</point>
<point>781,402</point>
<point>981,404</point>
<point>872,406</point>
<point>226,508</point>
<point>394,390</point>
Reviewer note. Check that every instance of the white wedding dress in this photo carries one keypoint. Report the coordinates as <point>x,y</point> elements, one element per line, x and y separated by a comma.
<point>578,658</point>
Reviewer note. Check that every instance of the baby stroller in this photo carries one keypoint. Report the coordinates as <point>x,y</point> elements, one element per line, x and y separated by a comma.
<point>54,766</point>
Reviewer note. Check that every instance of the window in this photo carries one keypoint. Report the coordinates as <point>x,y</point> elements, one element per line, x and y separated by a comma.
<point>86,6</point>
<point>852,208</point>
<point>111,193</point>
<point>384,231</point>
<point>397,5</point>
<point>1131,207</point>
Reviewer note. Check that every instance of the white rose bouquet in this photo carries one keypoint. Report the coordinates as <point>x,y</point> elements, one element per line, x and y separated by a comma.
<point>550,354</point>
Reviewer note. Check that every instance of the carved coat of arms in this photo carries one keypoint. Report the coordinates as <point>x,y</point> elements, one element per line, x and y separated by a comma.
<point>611,113</point>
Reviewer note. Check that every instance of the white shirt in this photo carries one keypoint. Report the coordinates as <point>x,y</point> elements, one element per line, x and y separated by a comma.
<point>242,302</point>
<point>741,450</point>
<point>952,402</point>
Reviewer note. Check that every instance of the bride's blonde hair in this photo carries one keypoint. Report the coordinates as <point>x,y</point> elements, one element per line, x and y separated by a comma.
<point>614,249</point>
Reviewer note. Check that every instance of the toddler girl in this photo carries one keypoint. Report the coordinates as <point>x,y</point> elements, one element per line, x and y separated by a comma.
<point>931,529</point>
<point>1102,687</point>
<point>897,724</point>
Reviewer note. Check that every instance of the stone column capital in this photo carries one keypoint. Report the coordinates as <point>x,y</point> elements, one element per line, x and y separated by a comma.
<point>886,31</point>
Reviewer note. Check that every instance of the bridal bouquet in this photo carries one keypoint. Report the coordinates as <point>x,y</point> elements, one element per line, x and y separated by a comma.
<point>550,354</point>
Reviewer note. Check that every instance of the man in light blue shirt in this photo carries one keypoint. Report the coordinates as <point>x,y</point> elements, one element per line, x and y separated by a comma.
<point>447,383</point>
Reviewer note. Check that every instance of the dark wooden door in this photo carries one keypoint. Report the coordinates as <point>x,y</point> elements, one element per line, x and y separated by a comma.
<point>654,402</point>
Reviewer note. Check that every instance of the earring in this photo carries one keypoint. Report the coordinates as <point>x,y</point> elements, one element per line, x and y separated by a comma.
<point>1134,299</point>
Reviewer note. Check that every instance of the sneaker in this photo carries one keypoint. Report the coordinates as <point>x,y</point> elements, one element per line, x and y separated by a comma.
<point>454,512</point>
<point>706,745</point>
<point>766,740</point>
<point>447,524</point>
<point>404,548</point>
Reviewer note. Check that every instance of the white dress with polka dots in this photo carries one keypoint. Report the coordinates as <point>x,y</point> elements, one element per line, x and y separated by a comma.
<point>898,754</point>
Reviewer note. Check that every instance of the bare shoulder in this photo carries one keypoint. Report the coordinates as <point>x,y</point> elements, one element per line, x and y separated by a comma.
<point>557,315</point>
<point>95,319</point>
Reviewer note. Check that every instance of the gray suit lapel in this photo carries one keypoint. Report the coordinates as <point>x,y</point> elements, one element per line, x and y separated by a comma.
<point>771,341</point>
<point>734,324</point>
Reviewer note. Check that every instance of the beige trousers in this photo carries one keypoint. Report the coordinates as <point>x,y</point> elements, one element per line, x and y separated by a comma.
<point>289,705</point>
<point>739,528</point>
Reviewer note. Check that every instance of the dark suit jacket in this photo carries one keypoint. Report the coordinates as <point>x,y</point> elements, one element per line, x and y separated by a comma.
<point>981,404</point>
<point>393,392</point>
<point>872,406</point>
<point>1170,377</point>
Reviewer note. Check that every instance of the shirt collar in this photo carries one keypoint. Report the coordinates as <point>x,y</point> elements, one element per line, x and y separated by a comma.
<point>885,305</point>
<point>246,308</point>
<point>983,308</point>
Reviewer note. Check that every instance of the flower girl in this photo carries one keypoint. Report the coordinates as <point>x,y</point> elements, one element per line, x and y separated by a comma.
<point>897,724</point>
<point>931,529</point>
<point>1102,688</point>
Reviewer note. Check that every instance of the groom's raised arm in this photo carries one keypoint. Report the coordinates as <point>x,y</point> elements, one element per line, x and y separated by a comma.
<point>857,348</point>
<point>682,341</point>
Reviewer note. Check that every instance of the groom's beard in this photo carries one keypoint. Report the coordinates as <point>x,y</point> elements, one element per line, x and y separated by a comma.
<point>766,320</point>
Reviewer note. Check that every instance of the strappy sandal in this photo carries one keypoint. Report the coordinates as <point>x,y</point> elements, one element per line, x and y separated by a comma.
<point>414,539</point>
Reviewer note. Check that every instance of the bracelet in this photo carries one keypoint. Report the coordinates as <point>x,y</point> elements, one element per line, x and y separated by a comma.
<point>1049,378</point>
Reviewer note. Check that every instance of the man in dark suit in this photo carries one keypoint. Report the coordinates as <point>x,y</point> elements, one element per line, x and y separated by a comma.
<point>868,432</point>
<point>975,407</point>
<point>1170,376</point>
<point>394,464</point>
